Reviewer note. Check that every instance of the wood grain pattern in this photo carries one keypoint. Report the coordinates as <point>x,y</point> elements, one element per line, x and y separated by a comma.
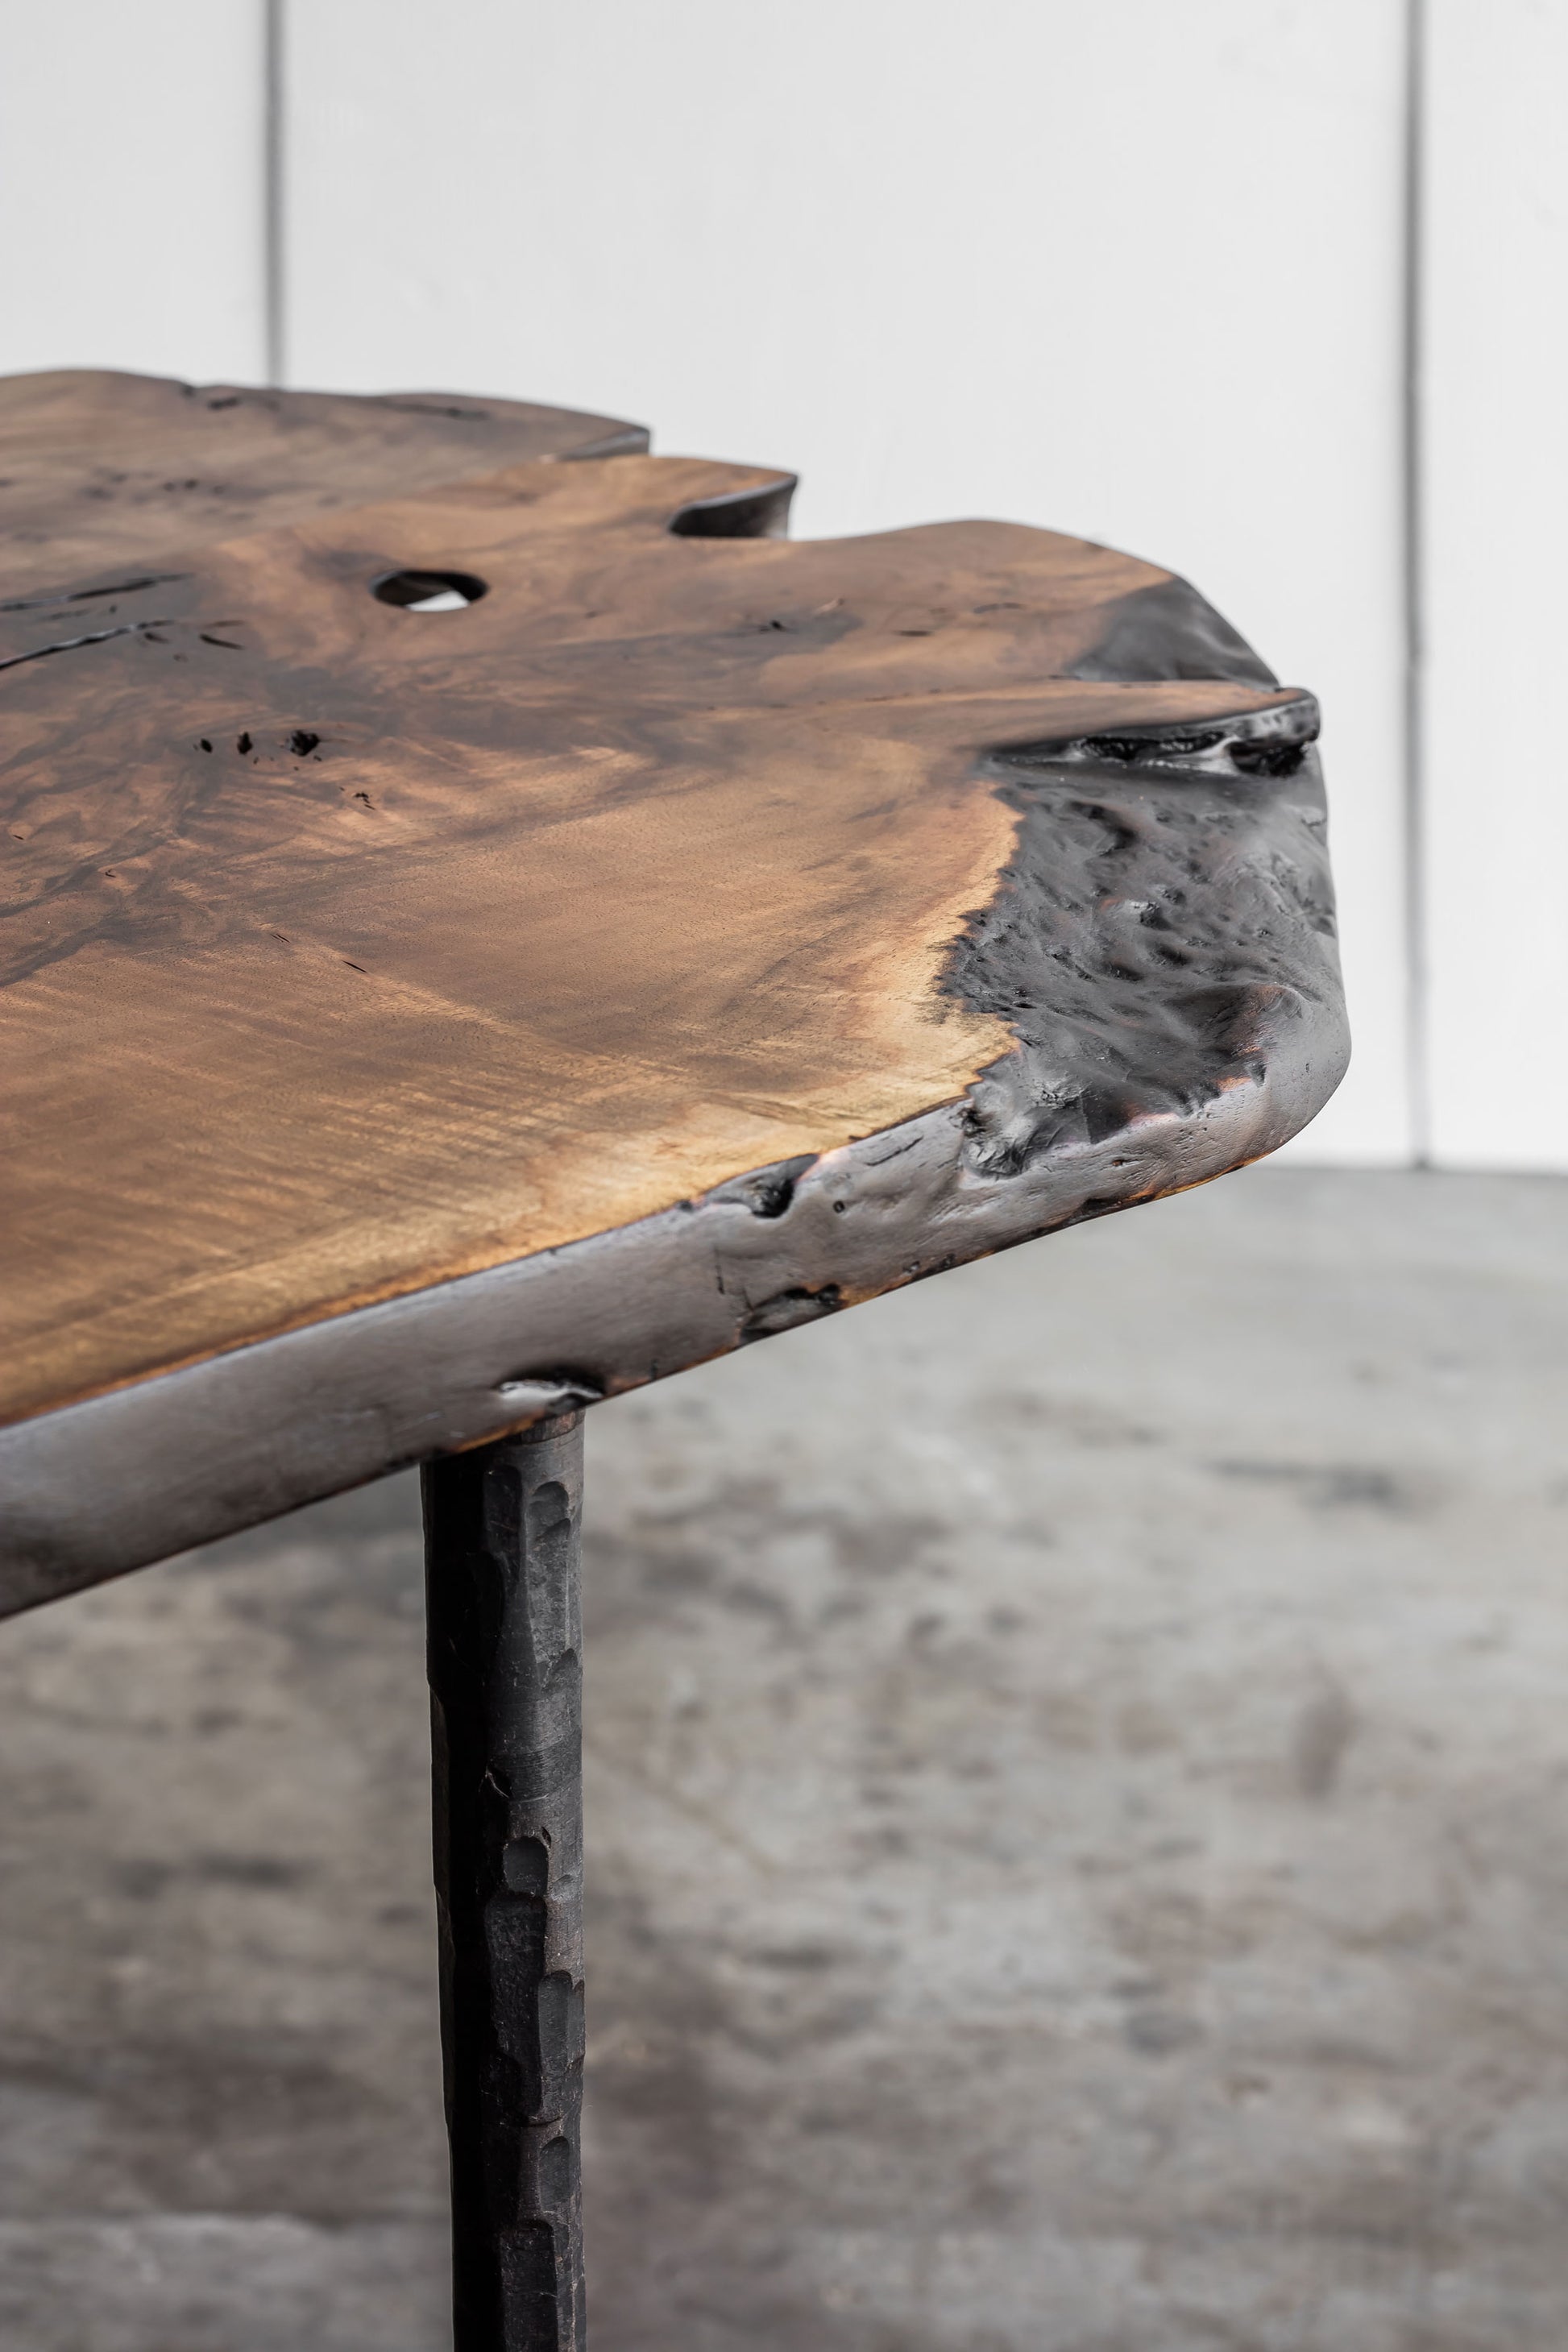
<point>100,468</point>
<point>352,955</point>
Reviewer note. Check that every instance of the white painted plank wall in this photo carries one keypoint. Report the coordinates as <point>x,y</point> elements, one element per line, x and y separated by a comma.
<point>1131,270</point>
<point>131,185</point>
<point>1495,449</point>
<point>1134,270</point>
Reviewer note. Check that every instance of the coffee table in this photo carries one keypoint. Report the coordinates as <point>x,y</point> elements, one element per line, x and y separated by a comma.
<point>490,923</point>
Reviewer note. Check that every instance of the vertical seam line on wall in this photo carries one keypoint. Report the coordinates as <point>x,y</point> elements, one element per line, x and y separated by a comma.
<point>273,194</point>
<point>1413,533</point>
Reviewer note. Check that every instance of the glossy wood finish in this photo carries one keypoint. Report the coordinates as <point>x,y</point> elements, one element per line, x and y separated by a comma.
<point>356,954</point>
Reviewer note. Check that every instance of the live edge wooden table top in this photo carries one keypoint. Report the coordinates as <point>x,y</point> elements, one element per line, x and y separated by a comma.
<point>417,1021</point>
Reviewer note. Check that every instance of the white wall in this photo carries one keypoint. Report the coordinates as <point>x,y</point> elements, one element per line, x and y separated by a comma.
<point>1136,269</point>
<point>131,185</point>
<point>1496,467</point>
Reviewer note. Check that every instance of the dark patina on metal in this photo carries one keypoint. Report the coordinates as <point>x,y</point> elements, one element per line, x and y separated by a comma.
<point>504,1616</point>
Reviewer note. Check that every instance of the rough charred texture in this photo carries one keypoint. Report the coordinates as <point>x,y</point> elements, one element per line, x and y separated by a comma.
<point>421,1021</point>
<point>501,1529</point>
<point>1134,987</point>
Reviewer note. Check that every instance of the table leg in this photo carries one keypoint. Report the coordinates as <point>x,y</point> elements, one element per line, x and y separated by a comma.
<point>502,1549</point>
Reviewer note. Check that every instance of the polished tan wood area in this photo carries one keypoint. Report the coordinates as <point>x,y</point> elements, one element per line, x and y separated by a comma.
<point>351,947</point>
<point>100,468</point>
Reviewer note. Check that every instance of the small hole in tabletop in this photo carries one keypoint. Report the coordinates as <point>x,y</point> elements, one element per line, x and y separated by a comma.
<point>430,592</point>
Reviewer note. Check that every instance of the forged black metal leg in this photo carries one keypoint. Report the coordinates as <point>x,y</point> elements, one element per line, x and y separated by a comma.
<point>502,1551</point>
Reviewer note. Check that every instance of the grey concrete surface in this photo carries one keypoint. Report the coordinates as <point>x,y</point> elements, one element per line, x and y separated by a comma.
<point>1079,1803</point>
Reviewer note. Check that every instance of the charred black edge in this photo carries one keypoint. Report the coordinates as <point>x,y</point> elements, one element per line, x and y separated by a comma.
<point>96,1488</point>
<point>1168,631</point>
<point>1272,742</point>
<point>759,511</point>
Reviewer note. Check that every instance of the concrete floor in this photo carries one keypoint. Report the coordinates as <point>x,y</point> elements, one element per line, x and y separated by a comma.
<point>1079,1810</point>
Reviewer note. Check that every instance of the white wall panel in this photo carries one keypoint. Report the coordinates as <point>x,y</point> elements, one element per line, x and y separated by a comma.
<point>131,139</point>
<point>1132,271</point>
<point>1496,594</point>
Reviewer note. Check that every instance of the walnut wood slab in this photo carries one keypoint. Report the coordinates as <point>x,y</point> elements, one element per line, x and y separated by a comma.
<point>98,468</point>
<point>416,1022</point>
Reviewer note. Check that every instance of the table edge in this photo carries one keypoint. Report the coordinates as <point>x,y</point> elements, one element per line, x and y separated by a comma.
<point>125,1479</point>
